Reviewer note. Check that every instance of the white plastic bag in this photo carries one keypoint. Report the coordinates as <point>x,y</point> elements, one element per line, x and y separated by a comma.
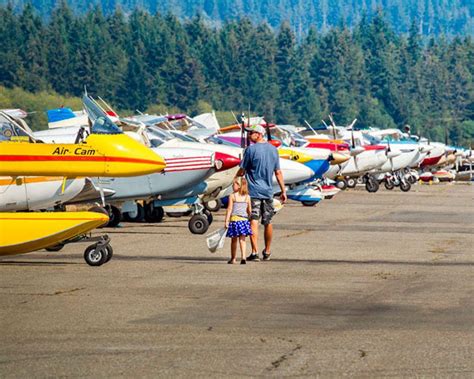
<point>216,240</point>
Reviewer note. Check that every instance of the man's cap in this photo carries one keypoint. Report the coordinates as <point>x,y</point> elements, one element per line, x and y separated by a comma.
<point>256,128</point>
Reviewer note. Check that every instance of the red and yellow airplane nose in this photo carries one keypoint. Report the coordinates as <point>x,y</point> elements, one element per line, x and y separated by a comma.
<point>225,161</point>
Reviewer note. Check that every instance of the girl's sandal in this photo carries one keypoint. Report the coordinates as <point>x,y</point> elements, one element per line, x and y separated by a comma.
<point>231,262</point>
<point>243,262</point>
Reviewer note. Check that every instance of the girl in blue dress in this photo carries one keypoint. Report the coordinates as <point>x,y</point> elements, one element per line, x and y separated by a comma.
<point>237,218</point>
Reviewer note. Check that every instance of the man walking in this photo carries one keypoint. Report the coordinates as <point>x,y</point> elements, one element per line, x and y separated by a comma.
<point>259,163</point>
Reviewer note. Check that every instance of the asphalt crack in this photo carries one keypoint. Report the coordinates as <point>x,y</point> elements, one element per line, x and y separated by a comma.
<point>276,363</point>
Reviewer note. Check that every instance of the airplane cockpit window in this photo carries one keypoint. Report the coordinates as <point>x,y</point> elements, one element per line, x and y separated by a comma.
<point>103,125</point>
<point>10,131</point>
<point>157,133</point>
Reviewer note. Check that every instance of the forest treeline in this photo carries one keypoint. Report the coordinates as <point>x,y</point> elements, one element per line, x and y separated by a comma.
<point>434,17</point>
<point>140,61</point>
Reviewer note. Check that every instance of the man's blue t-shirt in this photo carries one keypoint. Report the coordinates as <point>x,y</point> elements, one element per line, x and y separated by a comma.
<point>260,162</point>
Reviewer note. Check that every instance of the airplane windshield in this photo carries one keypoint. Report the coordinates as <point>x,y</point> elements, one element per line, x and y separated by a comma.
<point>183,137</point>
<point>103,125</point>
<point>218,141</point>
<point>372,140</point>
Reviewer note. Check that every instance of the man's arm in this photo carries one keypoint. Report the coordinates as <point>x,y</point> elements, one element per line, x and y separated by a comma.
<point>281,183</point>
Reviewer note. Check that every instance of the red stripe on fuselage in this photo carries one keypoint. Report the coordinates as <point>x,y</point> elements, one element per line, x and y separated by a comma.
<point>44,158</point>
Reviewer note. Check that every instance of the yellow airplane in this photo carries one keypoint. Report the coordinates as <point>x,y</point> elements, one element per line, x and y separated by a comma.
<point>107,154</point>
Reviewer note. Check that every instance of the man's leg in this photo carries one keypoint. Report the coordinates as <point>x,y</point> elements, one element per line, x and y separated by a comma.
<point>267,214</point>
<point>254,218</point>
<point>268,238</point>
<point>254,236</point>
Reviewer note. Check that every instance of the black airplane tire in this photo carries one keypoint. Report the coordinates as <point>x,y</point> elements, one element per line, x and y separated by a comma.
<point>198,224</point>
<point>389,185</point>
<point>351,183</point>
<point>213,205</point>
<point>210,217</point>
<point>154,214</point>
<point>115,216</point>
<point>371,185</point>
<point>57,247</point>
<point>405,186</point>
<point>411,179</point>
<point>110,252</point>
<point>309,203</point>
<point>138,217</point>
<point>95,257</point>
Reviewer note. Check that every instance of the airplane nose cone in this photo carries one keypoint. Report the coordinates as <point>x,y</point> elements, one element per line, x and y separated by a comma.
<point>151,161</point>
<point>338,158</point>
<point>225,161</point>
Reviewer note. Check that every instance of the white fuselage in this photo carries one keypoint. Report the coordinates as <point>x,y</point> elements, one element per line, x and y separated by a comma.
<point>36,193</point>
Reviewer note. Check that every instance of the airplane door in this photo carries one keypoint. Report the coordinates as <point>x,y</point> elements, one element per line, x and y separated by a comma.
<point>13,196</point>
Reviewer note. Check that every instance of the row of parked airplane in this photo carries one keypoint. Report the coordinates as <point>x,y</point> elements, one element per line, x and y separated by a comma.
<point>139,167</point>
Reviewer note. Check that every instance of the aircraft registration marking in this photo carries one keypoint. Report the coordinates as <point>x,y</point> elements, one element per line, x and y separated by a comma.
<point>77,151</point>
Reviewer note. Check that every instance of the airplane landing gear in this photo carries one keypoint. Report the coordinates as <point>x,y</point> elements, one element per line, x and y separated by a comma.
<point>405,186</point>
<point>99,253</point>
<point>115,216</point>
<point>213,205</point>
<point>135,216</point>
<point>201,219</point>
<point>153,214</point>
<point>341,184</point>
<point>351,182</point>
<point>371,184</point>
<point>389,184</point>
<point>198,224</point>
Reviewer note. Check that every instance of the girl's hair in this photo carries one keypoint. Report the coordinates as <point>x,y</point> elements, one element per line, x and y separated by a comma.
<point>243,186</point>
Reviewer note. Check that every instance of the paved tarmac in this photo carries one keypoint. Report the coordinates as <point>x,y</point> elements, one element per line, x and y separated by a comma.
<point>364,285</point>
